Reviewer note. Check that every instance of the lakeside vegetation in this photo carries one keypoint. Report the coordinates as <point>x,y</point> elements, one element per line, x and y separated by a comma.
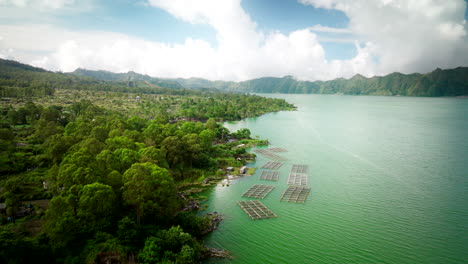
<point>91,171</point>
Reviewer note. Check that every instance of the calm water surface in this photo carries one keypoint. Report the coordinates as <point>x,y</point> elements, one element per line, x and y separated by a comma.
<point>389,179</point>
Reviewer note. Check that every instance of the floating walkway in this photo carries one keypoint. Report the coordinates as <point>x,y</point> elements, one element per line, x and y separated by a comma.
<point>256,209</point>
<point>270,154</point>
<point>295,194</point>
<point>269,175</point>
<point>258,191</point>
<point>272,165</point>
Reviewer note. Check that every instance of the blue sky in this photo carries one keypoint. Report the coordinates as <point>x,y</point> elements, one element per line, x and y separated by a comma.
<point>236,40</point>
<point>140,20</point>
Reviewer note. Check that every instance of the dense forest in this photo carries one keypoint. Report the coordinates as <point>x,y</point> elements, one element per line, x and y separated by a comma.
<point>96,172</point>
<point>450,82</point>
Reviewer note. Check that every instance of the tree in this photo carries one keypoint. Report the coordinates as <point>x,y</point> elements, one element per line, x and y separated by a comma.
<point>61,225</point>
<point>243,133</point>
<point>211,124</point>
<point>175,152</point>
<point>172,245</point>
<point>100,133</point>
<point>120,142</point>
<point>96,205</point>
<point>207,137</point>
<point>150,191</point>
<point>56,146</point>
<point>154,155</point>
<point>45,129</point>
<point>124,158</point>
<point>191,146</point>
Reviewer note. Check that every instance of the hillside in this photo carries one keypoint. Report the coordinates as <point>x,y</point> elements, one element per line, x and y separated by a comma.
<point>22,80</point>
<point>127,77</point>
<point>450,82</point>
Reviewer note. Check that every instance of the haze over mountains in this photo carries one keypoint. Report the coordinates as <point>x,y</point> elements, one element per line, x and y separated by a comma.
<point>450,82</point>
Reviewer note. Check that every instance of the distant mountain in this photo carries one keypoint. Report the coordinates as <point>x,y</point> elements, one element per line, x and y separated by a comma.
<point>128,77</point>
<point>451,82</point>
<point>22,80</point>
<point>14,65</point>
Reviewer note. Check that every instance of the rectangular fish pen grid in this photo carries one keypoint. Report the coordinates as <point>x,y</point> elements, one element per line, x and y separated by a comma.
<point>272,165</point>
<point>296,194</point>
<point>256,209</point>
<point>299,168</point>
<point>269,154</point>
<point>258,191</point>
<point>297,179</point>
<point>269,175</point>
<point>277,150</point>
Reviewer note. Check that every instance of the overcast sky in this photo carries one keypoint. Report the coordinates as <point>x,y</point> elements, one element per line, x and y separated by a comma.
<point>237,40</point>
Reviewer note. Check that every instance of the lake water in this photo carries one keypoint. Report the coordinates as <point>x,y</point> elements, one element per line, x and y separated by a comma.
<point>389,179</point>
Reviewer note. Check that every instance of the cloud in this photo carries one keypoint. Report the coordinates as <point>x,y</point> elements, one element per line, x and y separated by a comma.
<point>389,36</point>
<point>407,36</point>
<point>320,28</point>
<point>41,4</point>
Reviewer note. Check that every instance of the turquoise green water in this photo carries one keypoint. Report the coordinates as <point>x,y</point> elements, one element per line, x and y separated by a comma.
<point>389,179</point>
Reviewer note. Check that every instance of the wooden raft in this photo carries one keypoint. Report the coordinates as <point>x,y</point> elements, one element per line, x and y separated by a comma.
<point>269,154</point>
<point>277,150</point>
<point>269,175</point>
<point>299,168</point>
<point>256,209</point>
<point>295,194</point>
<point>297,178</point>
<point>298,175</point>
<point>272,165</point>
<point>258,191</point>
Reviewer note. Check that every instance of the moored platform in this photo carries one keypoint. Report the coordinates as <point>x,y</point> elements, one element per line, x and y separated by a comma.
<point>256,209</point>
<point>269,175</point>
<point>258,191</point>
<point>272,165</point>
<point>296,194</point>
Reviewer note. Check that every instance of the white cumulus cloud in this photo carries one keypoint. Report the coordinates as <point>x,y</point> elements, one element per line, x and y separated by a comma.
<point>407,36</point>
<point>390,35</point>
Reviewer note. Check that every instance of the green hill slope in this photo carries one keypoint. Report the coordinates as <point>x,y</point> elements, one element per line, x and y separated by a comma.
<point>451,82</point>
<point>127,77</point>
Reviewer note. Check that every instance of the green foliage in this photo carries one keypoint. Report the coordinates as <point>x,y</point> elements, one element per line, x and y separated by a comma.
<point>98,165</point>
<point>15,249</point>
<point>170,246</point>
<point>102,244</point>
<point>192,223</point>
<point>96,205</point>
<point>242,133</point>
<point>150,191</point>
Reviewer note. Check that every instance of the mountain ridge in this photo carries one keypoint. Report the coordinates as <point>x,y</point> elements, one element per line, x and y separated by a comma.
<point>440,82</point>
<point>447,82</point>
